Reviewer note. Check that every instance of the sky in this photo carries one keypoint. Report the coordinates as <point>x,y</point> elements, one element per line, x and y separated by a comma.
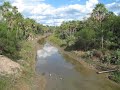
<point>54,12</point>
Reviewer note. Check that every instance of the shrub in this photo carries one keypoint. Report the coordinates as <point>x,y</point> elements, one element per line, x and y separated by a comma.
<point>115,76</point>
<point>9,44</point>
<point>115,57</point>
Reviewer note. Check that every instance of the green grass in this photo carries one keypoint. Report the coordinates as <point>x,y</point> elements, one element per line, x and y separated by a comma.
<point>27,53</point>
<point>4,83</point>
<point>7,83</point>
<point>116,76</point>
<point>56,40</point>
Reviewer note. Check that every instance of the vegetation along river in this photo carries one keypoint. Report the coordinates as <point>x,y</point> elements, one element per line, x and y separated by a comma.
<point>63,73</point>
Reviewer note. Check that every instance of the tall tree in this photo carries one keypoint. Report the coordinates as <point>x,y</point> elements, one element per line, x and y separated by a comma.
<point>100,13</point>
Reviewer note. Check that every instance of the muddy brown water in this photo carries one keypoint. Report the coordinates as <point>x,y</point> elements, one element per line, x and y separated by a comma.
<point>64,73</point>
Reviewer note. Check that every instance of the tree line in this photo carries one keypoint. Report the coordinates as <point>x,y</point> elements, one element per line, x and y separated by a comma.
<point>14,28</point>
<point>97,36</point>
<point>101,31</point>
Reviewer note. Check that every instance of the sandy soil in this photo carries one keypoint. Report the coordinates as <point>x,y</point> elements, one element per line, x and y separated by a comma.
<point>7,66</point>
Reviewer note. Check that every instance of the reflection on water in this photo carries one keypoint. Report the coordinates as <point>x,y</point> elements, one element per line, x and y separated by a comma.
<point>64,73</point>
<point>46,51</point>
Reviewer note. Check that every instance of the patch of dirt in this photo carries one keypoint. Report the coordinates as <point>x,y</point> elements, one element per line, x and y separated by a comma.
<point>9,67</point>
<point>40,82</point>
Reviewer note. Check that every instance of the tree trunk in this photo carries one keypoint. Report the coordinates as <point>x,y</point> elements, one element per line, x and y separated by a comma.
<point>102,36</point>
<point>106,71</point>
<point>102,41</point>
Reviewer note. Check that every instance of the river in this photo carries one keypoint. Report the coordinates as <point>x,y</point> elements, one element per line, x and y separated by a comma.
<point>63,73</point>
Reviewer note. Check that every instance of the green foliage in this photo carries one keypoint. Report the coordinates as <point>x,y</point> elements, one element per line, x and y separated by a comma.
<point>86,37</point>
<point>3,84</point>
<point>70,40</point>
<point>56,40</point>
<point>116,76</point>
<point>99,31</point>
<point>115,57</point>
<point>9,45</point>
<point>6,83</point>
<point>87,34</point>
<point>14,28</point>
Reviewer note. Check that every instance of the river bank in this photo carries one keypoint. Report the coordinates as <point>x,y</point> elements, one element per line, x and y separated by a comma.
<point>86,62</point>
<point>65,73</point>
<point>30,80</point>
<point>26,80</point>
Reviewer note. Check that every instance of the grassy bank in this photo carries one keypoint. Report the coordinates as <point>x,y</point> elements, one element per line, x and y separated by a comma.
<point>27,61</point>
<point>28,54</point>
<point>56,40</point>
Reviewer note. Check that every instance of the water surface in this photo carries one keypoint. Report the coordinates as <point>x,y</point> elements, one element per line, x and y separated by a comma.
<point>64,73</point>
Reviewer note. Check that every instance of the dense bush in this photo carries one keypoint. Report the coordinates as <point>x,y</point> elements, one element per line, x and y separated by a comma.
<point>86,38</point>
<point>115,57</point>
<point>14,28</point>
<point>115,76</point>
<point>9,44</point>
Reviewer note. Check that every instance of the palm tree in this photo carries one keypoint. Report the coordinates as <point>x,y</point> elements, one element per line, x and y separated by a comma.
<point>99,14</point>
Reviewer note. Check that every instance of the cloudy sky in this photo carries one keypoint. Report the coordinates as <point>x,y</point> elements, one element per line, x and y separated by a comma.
<point>53,12</point>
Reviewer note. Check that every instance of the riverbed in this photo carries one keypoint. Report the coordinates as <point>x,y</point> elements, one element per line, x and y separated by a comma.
<point>64,73</point>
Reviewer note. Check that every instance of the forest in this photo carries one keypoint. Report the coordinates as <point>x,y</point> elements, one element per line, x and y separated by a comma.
<point>14,28</point>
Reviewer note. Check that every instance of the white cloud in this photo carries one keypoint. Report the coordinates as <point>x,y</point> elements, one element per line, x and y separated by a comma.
<point>115,7</point>
<point>42,8</point>
<point>47,14</point>
<point>90,4</point>
<point>47,51</point>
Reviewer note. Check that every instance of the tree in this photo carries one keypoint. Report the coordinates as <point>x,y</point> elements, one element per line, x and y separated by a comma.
<point>100,13</point>
<point>13,29</point>
<point>86,38</point>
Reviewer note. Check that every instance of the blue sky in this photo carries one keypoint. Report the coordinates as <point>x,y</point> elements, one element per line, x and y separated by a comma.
<point>54,12</point>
